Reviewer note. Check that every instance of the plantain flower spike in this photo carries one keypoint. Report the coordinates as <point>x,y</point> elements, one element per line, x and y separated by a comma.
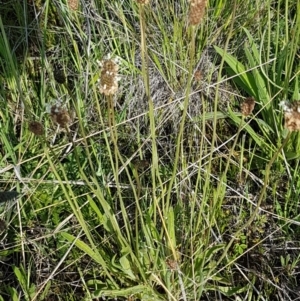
<point>291,114</point>
<point>142,1</point>
<point>248,106</point>
<point>36,128</point>
<point>196,12</point>
<point>109,76</point>
<point>59,114</point>
<point>73,4</point>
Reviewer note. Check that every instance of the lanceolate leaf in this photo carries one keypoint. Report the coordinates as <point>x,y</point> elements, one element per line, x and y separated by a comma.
<point>244,77</point>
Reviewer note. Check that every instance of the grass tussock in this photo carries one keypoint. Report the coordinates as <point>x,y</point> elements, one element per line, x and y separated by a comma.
<point>149,150</point>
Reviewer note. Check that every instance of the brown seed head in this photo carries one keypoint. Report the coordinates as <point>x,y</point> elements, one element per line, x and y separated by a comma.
<point>142,1</point>
<point>198,76</point>
<point>73,4</point>
<point>2,225</point>
<point>291,115</point>
<point>172,264</point>
<point>60,76</point>
<point>60,115</point>
<point>110,66</point>
<point>109,77</point>
<point>197,10</point>
<point>36,128</point>
<point>141,164</point>
<point>248,106</point>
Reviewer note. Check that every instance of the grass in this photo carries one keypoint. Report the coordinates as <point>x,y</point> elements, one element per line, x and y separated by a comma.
<point>164,190</point>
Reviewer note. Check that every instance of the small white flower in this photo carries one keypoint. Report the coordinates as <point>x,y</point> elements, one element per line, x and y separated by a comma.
<point>48,107</point>
<point>285,106</point>
<point>56,105</point>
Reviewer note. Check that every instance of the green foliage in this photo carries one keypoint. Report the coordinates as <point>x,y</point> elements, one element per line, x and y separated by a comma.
<point>24,280</point>
<point>148,194</point>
